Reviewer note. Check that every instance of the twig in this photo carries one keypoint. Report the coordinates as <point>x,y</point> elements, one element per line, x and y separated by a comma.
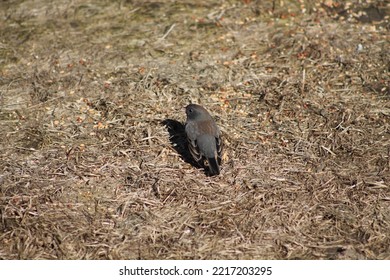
<point>169,31</point>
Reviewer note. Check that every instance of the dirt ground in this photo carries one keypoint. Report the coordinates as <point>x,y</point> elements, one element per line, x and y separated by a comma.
<point>93,163</point>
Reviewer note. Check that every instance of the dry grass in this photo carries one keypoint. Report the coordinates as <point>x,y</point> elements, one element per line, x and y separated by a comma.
<point>92,159</point>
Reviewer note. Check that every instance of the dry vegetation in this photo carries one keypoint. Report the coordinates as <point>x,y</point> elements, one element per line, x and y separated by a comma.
<point>92,160</point>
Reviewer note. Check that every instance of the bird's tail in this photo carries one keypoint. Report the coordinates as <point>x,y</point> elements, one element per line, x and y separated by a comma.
<point>213,166</point>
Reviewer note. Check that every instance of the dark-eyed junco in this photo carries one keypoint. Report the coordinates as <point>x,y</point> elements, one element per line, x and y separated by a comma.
<point>203,136</point>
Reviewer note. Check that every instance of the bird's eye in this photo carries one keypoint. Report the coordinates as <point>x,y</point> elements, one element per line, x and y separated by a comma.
<point>190,110</point>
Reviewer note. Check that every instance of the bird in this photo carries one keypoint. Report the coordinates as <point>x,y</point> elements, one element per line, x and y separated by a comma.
<point>203,137</point>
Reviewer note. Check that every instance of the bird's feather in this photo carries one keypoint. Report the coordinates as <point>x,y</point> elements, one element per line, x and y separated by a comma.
<point>213,166</point>
<point>194,150</point>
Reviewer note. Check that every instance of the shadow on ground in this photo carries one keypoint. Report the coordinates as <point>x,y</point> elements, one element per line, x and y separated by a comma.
<point>177,137</point>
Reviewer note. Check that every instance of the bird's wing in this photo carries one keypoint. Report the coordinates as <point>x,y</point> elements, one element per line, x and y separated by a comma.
<point>192,132</point>
<point>194,150</point>
<point>219,149</point>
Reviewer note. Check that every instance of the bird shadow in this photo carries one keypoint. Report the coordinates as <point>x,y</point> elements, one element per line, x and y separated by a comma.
<point>177,137</point>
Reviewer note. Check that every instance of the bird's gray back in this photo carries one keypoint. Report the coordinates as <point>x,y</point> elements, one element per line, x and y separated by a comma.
<point>207,145</point>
